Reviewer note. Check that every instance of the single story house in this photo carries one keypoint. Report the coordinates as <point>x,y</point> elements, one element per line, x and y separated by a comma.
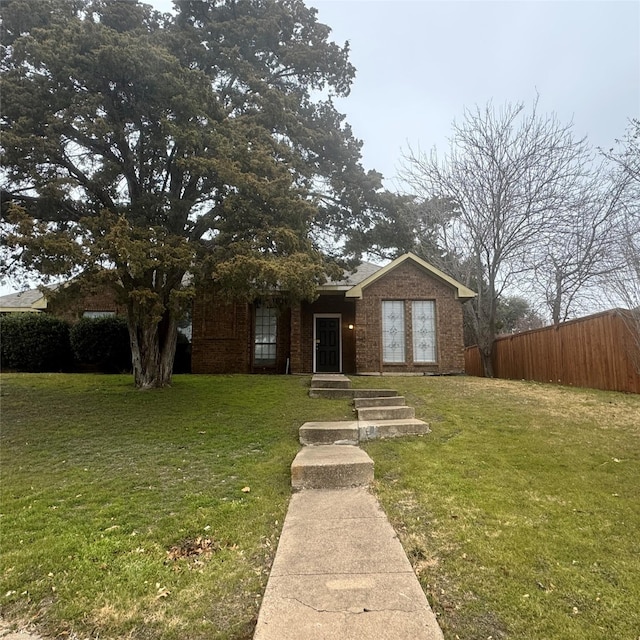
<point>405,317</point>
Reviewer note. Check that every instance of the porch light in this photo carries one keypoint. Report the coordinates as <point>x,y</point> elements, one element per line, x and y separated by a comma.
<point>351,327</point>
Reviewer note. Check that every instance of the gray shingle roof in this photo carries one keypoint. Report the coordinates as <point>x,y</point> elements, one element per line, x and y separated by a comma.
<point>362,272</point>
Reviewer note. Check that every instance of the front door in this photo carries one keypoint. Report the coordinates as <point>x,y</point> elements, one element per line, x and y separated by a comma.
<point>327,337</point>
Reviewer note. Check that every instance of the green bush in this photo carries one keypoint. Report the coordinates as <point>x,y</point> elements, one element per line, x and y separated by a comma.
<point>34,342</point>
<point>102,342</point>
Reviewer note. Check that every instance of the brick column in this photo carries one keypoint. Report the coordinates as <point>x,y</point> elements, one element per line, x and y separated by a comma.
<point>296,339</point>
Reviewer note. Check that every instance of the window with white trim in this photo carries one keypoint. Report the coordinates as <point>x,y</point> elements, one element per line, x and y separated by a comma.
<point>423,313</point>
<point>393,340</point>
<point>266,325</point>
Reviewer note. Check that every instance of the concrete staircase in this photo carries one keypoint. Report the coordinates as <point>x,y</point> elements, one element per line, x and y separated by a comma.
<point>340,571</point>
<point>330,457</point>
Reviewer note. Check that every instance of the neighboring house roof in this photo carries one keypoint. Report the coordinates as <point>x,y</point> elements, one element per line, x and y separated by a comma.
<point>462,292</point>
<point>25,301</point>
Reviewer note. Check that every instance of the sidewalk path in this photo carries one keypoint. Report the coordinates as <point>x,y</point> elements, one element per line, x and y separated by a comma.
<point>340,573</point>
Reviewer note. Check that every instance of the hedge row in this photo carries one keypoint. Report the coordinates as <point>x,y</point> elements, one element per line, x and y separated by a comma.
<point>37,342</point>
<point>34,342</point>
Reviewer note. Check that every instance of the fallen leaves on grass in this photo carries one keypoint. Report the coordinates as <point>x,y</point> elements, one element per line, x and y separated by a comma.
<point>192,548</point>
<point>163,592</point>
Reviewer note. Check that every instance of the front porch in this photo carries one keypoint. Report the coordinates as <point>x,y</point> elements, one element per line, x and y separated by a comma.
<point>323,336</point>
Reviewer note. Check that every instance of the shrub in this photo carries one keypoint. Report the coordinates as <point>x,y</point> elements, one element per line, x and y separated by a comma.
<point>103,342</point>
<point>34,342</point>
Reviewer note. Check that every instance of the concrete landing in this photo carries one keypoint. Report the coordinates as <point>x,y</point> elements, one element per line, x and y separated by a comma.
<point>386,413</point>
<point>379,401</point>
<point>340,573</point>
<point>342,432</point>
<point>323,392</point>
<point>381,429</point>
<point>330,381</point>
<point>331,466</point>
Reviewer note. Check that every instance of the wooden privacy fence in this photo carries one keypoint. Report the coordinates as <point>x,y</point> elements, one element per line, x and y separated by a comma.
<point>601,351</point>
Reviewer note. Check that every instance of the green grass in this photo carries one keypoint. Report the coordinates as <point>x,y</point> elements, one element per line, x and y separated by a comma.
<point>520,511</point>
<point>100,482</point>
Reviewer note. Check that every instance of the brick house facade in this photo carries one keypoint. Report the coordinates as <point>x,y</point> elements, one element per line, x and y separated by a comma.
<point>405,317</point>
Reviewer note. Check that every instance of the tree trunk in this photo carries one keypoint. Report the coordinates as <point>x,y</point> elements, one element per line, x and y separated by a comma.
<point>487,362</point>
<point>153,349</point>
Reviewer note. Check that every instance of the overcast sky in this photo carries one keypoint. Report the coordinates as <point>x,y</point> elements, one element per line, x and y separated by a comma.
<point>420,63</point>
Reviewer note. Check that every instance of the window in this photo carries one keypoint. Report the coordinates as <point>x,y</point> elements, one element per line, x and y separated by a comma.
<point>98,314</point>
<point>424,331</point>
<point>393,331</point>
<point>264,352</point>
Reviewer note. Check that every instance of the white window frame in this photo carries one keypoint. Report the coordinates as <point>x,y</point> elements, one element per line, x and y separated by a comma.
<point>428,354</point>
<point>394,334</point>
<point>315,326</point>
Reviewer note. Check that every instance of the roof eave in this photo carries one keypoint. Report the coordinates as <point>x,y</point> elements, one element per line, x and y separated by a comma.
<point>461,292</point>
<point>19,310</point>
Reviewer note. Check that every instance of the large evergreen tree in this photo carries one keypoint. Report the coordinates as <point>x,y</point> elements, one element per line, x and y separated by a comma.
<point>138,148</point>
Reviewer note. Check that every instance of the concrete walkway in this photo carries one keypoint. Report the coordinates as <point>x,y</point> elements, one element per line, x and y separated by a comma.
<point>340,573</point>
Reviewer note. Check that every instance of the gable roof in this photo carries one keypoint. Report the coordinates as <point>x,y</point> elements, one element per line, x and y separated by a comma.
<point>462,292</point>
<point>25,301</point>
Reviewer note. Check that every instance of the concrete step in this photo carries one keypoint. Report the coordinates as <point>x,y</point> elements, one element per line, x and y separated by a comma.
<point>363,403</point>
<point>331,466</point>
<point>330,381</point>
<point>324,392</point>
<point>331,394</point>
<point>386,413</point>
<point>375,393</point>
<point>380,429</point>
<point>313,433</point>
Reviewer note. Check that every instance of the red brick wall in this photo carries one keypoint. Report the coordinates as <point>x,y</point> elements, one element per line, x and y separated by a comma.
<point>409,282</point>
<point>222,339</point>
<point>296,339</point>
<point>221,335</point>
<point>72,307</point>
<point>223,331</point>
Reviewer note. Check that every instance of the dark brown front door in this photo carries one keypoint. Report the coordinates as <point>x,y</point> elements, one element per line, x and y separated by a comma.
<point>328,345</point>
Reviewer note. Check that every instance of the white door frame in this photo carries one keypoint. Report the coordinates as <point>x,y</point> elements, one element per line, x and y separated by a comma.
<point>315,324</point>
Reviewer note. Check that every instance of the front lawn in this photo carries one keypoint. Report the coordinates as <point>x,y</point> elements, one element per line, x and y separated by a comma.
<point>521,510</point>
<point>128,514</point>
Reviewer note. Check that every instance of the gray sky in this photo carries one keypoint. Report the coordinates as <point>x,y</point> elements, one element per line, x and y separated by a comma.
<point>421,62</point>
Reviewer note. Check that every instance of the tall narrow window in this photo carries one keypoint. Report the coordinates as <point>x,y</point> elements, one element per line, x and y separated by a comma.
<point>424,331</point>
<point>393,331</point>
<point>264,353</point>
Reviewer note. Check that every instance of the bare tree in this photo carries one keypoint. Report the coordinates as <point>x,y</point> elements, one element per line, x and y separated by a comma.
<point>622,284</point>
<point>508,171</point>
<point>572,254</point>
